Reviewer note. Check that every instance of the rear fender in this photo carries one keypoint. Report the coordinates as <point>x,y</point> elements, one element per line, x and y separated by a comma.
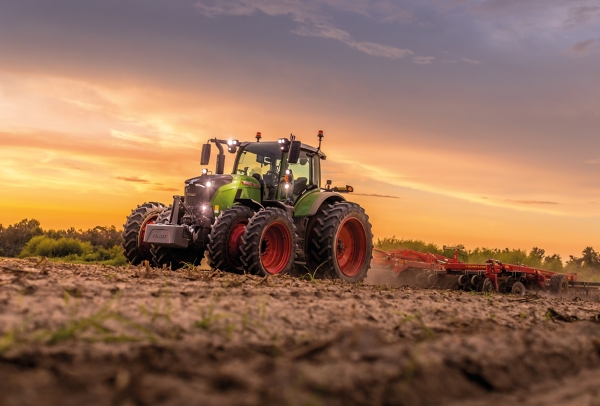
<point>309,204</point>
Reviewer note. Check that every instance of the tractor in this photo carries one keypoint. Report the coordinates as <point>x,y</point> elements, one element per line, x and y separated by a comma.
<point>270,216</point>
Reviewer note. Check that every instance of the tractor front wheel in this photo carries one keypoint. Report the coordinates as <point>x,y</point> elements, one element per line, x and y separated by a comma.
<point>344,243</point>
<point>134,230</point>
<point>225,239</point>
<point>269,243</point>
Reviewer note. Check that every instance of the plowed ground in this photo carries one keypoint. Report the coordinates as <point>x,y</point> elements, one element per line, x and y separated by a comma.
<point>74,334</point>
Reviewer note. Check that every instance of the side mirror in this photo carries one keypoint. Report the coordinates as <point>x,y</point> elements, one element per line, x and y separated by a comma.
<point>294,152</point>
<point>205,154</point>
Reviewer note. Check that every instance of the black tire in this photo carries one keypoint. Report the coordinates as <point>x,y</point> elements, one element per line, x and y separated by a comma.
<point>135,249</point>
<point>340,226</point>
<point>223,252</point>
<point>422,280</point>
<point>518,289</point>
<point>559,285</point>
<point>269,243</point>
<point>487,286</point>
<point>174,258</point>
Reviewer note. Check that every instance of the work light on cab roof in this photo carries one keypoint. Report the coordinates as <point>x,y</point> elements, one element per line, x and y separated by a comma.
<point>270,216</point>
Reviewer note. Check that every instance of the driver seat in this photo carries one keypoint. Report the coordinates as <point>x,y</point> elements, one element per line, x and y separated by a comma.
<point>299,186</point>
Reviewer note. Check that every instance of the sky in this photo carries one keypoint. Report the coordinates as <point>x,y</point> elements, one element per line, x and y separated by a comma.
<point>478,119</point>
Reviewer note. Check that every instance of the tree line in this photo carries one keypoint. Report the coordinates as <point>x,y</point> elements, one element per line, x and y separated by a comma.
<point>103,244</point>
<point>27,238</point>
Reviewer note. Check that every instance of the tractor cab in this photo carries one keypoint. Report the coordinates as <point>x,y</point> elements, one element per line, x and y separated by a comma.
<point>280,177</point>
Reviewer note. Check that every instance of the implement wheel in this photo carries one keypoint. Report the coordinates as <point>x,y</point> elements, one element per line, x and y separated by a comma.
<point>559,285</point>
<point>134,230</point>
<point>518,289</point>
<point>269,243</point>
<point>174,258</point>
<point>488,286</point>
<point>344,242</point>
<point>225,239</point>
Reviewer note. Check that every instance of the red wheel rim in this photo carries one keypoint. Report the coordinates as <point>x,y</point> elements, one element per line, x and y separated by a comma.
<point>275,248</point>
<point>235,242</point>
<point>144,246</point>
<point>351,247</point>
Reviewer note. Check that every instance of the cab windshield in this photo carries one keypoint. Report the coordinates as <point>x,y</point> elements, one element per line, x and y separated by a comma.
<point>263,161</point>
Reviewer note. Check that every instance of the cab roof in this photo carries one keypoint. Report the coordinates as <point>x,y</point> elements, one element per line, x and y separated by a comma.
<point>303,146</point>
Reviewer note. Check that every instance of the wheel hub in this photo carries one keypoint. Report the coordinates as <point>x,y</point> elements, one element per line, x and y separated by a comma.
<point>351,246</point>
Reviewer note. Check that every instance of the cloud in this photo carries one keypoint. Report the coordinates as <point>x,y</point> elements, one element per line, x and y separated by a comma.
<point>423,60</point>
<point>532,202</point>
<point>471,61</point>
<point>134,179</point>
<point>581,14</point>
<point>314,20</point>
<point>584,47</point>
<point>376,195</point>
<point>128,136</point>
<point>165,189</point>
<point>523,202</point>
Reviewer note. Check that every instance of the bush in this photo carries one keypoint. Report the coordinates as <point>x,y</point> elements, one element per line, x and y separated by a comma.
<point>47,247</point>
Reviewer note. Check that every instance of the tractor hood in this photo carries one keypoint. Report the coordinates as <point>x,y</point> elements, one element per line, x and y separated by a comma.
<point>200,190</point>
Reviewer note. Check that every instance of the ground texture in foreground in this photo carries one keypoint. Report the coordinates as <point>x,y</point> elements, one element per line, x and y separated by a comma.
<point>75,334</point>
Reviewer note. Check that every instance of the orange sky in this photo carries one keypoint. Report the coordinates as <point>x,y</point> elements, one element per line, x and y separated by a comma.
<point>485,135</point>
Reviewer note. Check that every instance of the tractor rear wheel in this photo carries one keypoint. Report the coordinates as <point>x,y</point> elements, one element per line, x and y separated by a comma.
<point>269,243</point>
<point>174,258</point>
<point>134,230</point>
<point>225,239</point>
<point>344,242</point>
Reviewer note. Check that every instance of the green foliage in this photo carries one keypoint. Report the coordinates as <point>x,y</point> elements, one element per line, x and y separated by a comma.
<point>43,246</point>
<point>105,237</point>
<point>27,239</point>
<point>393,243</point>
<point>13,238</point>
<point>508,256</point>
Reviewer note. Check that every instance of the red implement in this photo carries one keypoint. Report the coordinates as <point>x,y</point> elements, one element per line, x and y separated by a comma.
<point>429,270</point>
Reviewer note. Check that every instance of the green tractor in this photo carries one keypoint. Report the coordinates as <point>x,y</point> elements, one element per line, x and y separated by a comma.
<point>271,216</point>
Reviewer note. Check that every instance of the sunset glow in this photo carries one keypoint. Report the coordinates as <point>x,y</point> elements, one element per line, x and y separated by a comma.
<point>472,122</point>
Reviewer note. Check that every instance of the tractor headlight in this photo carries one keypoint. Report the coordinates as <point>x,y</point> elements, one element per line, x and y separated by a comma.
<point>284,144</point>
<point>287,186</point>
<point>232,146</point>
<point>208,184</point>
<point>204,171</point>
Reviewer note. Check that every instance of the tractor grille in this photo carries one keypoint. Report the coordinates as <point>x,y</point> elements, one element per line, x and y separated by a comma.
<point>196,194</point>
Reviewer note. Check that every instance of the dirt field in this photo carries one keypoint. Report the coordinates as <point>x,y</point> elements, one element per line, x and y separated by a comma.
<point>74,334</point>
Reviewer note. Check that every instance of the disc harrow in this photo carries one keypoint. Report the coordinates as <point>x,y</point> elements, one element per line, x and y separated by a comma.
<point>428,270</point>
